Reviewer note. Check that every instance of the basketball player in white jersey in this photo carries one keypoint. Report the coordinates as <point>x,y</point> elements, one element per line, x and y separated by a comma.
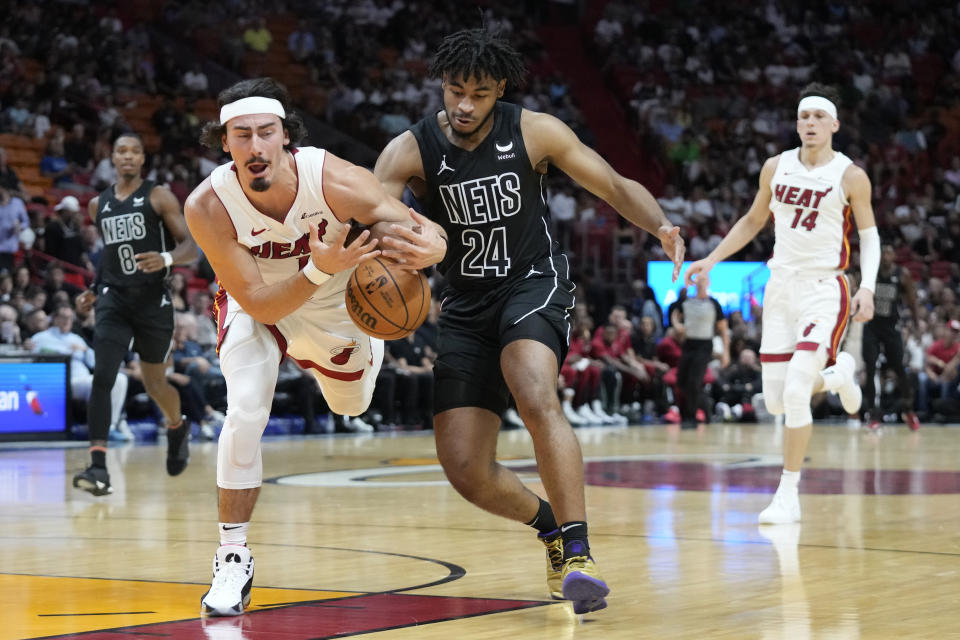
<point>273,224</point>
<point>810,191</point>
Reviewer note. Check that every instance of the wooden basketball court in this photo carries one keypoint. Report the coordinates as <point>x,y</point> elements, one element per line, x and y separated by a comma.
<point>361,536</point>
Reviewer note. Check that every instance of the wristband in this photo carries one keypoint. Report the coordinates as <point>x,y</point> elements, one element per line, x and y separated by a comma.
<point>314,274</point>
<point>869,258</point>
<point>167,258</point>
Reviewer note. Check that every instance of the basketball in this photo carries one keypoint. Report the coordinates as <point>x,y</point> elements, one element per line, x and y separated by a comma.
<point>386,301</point>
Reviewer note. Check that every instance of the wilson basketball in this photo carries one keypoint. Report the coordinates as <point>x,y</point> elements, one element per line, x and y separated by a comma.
<point>386,301</point>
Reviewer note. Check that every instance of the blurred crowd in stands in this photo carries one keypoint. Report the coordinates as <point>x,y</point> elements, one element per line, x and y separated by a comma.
<point>708,88</point>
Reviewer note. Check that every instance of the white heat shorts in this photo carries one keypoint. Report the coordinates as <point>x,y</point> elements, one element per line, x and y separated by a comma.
<point>803,314</point>
<point>322,339</point>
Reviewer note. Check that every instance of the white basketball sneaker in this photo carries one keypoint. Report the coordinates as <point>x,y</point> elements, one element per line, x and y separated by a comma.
<point>587,415</point>
<point>571,415</point>
<point>359,425</point>
<point>783,509</point>
<point>851,397</point>
<point>229,592</point>
<point>511,417</point>
<point>606,418</point>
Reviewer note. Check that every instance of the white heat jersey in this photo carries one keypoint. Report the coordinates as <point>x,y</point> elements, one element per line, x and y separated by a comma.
<point>811,215</point>
<point>281,249</point>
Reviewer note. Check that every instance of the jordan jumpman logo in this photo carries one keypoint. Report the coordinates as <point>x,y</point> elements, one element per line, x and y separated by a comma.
<point>444,166</point>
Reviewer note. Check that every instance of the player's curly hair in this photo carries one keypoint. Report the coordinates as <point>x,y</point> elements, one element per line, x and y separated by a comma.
<point>212,134</point>
<point>473,53</point>
<point>822,90</point>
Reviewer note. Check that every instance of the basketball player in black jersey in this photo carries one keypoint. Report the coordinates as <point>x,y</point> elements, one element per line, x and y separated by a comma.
<point>477,167</point>
<point>882,333</point>
<point>144,234</point>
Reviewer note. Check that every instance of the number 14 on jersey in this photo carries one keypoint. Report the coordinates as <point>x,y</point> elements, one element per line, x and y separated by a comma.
<point>810,221</point>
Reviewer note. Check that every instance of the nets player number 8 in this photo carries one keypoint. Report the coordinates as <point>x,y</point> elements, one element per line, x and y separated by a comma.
<point>485,256</point>
<point>128,263</point>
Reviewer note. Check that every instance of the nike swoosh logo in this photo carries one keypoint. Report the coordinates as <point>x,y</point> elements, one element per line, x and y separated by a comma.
<point>566,528</point>
<point>231,528</point>
<point>503,148</point>
<point>257,232</point>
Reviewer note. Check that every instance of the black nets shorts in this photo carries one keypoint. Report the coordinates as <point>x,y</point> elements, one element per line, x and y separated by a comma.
<point>475,326</point>
<point>142,314</point>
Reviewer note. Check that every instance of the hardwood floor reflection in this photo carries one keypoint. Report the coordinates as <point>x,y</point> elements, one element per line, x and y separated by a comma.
<point>363,536</point>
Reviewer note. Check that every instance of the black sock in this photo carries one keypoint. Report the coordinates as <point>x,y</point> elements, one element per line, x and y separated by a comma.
<point>98,457</point>
<point>176,436</point>
<point>575,539</point>
<point>544,521</point>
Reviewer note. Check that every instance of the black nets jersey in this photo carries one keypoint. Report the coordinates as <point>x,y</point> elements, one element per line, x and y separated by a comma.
<point>129,227</point>
<point>489,200</point>
<point>886,299</point>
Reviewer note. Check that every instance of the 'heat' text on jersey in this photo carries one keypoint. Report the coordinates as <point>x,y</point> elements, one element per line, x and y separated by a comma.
<point>798,196</point>
<point>482,200</point>
<point>281,250</point>
<point>123,228</point>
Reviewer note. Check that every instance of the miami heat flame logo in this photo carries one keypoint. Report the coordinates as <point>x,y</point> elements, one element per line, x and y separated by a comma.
<point>342,354</point>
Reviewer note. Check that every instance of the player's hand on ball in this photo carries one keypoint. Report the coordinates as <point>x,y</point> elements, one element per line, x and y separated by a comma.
<point>335,255</point>
<point>862,306</point>
<point>673,247</point>
<point>415,247</point>
<point>149,261</point>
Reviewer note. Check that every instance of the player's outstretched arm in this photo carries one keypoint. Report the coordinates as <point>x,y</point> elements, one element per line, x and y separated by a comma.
<point>354,192</point>
<point>745,229</point>
<point>547,139</point>
<point>237,270</point>
<point>168,208</point>
<point>856,184</point>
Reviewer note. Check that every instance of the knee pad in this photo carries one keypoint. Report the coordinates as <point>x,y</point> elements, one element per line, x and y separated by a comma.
<point>773,396</point>
<point>773,375</point>
<point>802,374</point>
<point>238,453</point>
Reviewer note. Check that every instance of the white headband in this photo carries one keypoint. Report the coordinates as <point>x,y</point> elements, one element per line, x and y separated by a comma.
<point>251,106</point>
<point>817,102</point>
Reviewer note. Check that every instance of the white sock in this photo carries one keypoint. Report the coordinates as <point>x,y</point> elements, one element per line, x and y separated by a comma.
<point>233,532</point>
<point>788,481</point>
<point>832,379</point>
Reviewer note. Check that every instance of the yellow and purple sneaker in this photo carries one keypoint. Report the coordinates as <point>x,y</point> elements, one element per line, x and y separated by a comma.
<point>582,583</point>
<point>554,545</point>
